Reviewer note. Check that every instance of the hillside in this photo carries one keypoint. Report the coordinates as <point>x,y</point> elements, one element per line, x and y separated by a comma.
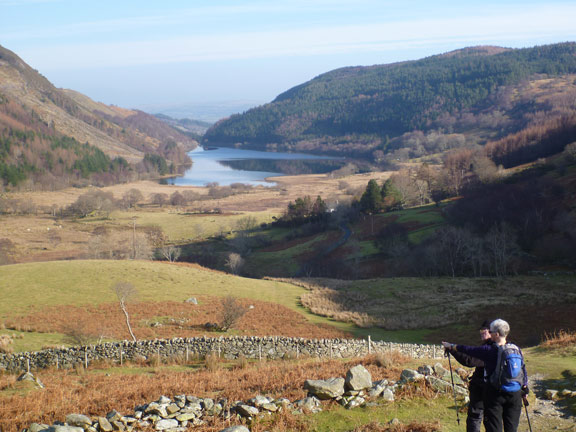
<point>479,94</point>
<point>31,105</point>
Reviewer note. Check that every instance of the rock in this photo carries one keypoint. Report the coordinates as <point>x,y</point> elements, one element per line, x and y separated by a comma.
<point>247,410</point>
<point>157,408</point>
<point>60,428</point>
<point>388,395</point>
<point>27,376</point>
<point>410,375</point>
<point>192,300</point>
<point>355,402</point>
<point>426,370</point>
<point>394,422</point>
<point>270,407</point>
<point>358,378</point>
<point>309,404</point>
<point>551,394</point>
<point>377,388</point>
<point>104,425</point>
<point>166,424</point>
<point>79,420</point>
<point>207,403</point>
<point>283,402</point>
<point>438,384</point>
<point>113,416</point>
<point>163,400</point>
<point>236,429</point>
<point>172,408</point>
<point>440,370</point>
<point>184,417</point>
<point>38,427</point>
<point>117,425</point>
<point>325,389</point>
<point>215,410</point>
<point>258,401</point>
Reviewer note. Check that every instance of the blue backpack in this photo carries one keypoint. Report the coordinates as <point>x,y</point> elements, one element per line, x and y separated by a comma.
<point>509,373</point>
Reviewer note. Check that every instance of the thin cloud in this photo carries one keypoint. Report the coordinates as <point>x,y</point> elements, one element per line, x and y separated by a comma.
<point>535,26</point>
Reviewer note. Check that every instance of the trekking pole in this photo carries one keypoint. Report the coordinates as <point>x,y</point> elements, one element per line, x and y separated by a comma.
<point>525,403</point>
<point>453,388</point>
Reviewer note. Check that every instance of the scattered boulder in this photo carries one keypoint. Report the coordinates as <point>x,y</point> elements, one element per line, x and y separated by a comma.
<point>38,427</point>
<point>27,376</point>
<point>182,412</point>
<point>308,405</point>
<point>236,429</point>
<point>247,410</point>
<point>388,395</point>
<point>325,389</point>
<point>192,300</point>
<point>358,378</point>
<point>166,424</point>
<point>551,394</point>
<point>79,420</point>
<point>410,375</point>
<point>104,425</point>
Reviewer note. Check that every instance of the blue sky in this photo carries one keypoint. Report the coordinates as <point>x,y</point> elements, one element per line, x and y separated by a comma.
<point>158,54</point>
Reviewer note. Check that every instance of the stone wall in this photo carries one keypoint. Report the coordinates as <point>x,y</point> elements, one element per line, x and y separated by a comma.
<point>227,347</point>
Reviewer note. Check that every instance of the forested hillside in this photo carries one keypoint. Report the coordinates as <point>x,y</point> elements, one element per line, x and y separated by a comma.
<point>52,138</point>
<point>470,96</point>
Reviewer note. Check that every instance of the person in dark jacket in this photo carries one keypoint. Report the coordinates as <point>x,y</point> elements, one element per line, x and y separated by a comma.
<point>501,408</point>
<point>476,383</point>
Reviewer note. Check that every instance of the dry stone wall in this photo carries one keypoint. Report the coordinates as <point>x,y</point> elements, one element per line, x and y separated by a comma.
<point>228,347</point>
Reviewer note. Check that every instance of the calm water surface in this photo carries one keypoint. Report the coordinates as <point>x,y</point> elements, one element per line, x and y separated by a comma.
<point>228,165</point>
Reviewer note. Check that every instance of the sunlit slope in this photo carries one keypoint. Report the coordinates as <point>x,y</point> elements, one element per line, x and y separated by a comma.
<point>24,287</point>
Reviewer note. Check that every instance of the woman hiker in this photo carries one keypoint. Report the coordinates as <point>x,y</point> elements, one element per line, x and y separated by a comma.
<point>506,380</point>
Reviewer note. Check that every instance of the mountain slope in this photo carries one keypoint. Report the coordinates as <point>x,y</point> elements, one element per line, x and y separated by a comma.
<point>116,131</point>
<point>356,110</point>
<point>52,138</point>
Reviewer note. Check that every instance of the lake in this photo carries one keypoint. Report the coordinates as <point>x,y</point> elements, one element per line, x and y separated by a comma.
<point>226,166</point>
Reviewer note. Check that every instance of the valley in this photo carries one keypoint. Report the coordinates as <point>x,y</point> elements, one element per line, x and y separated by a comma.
<point>455,203</point>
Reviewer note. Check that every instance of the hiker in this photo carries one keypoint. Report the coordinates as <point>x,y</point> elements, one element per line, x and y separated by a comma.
<point>476,383</point>
<point>503,388</point>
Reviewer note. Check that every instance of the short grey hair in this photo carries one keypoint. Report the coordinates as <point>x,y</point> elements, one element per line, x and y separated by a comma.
<point>500,326</point>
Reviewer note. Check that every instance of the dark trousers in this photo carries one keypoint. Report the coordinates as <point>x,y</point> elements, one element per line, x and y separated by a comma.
<point>501,409</point>
<point>475,407</point>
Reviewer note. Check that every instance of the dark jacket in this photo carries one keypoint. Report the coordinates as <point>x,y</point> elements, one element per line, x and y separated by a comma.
<point>489,355</point>
<point>469,361</point>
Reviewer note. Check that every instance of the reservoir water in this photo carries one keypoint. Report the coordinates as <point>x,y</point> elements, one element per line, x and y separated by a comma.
<point>226,166</point>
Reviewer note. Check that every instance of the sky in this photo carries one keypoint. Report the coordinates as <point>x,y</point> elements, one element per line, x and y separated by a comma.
<point>209,58</point>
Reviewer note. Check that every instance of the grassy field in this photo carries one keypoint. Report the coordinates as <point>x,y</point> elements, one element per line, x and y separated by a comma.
<point>532,305</point>
<point>31,289</point>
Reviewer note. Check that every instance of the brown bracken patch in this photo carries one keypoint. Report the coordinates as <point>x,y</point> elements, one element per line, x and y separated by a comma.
<point>170,319</point>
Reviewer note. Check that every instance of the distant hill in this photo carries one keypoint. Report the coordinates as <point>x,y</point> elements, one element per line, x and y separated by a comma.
<point>483,93</point>
<point>31,106</point>
<point>193,128</point>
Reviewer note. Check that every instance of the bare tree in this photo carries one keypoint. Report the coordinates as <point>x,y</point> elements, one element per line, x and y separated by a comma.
<point>132,197</point>
<point>160,199</point>
<point>125,292</point>
<point>232,311</point>
<point>170,252</point>
<point>234,262</point>
<point>246,223</point>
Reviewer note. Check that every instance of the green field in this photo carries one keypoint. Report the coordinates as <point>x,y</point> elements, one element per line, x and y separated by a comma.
<point>179,227</point>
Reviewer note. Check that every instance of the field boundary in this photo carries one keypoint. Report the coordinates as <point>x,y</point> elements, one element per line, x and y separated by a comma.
<point>252,347</point>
